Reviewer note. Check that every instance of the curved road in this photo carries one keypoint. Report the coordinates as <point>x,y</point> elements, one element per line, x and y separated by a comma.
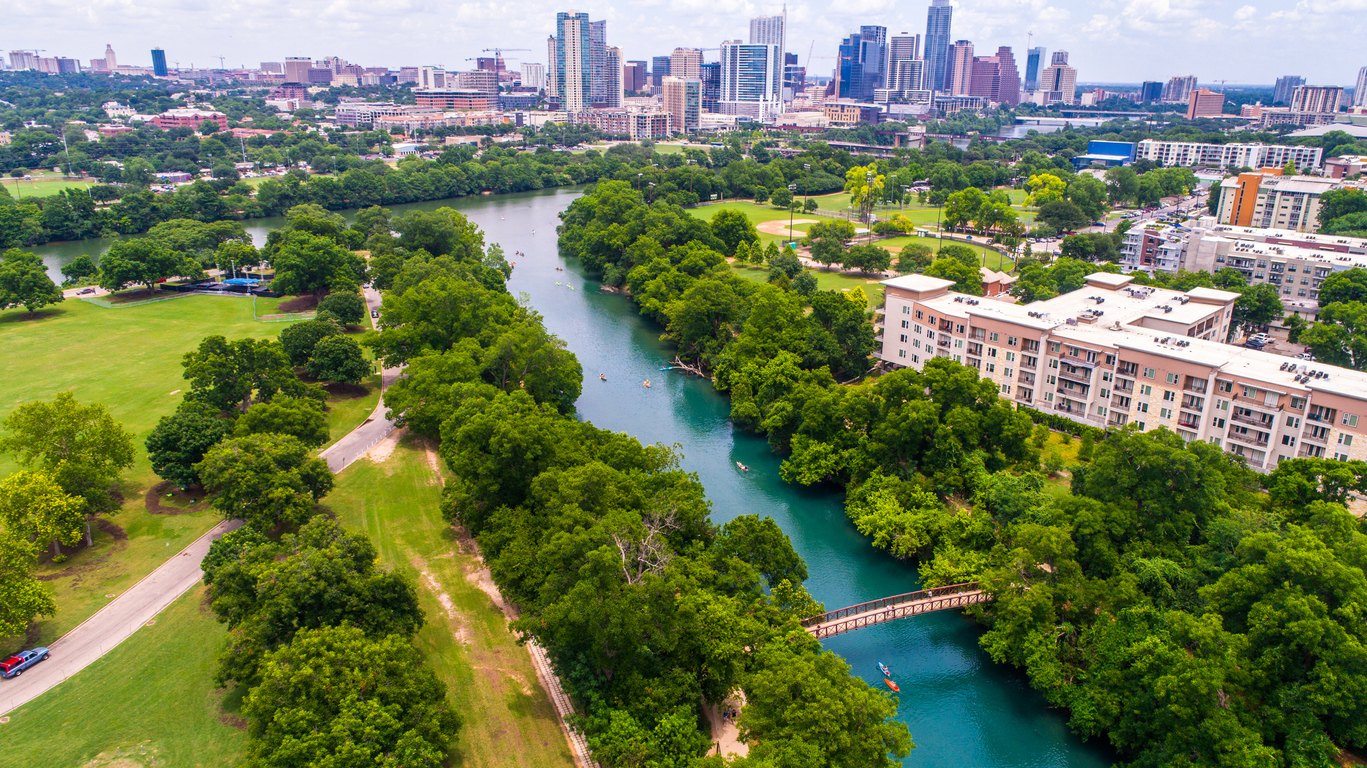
<point>138,605</point>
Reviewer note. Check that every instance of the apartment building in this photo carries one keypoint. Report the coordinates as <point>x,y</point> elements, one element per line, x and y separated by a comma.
<point>683,102</point>
<point>1268,199</point>
<point>1195,155</point>
<point>456,100</point>
<point>625,122</point>
<point>1204,102</point>
<point>1113,353</point>
<point>189,117</point>
<point>358,113</point>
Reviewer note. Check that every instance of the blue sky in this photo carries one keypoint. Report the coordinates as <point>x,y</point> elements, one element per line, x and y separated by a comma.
<point>1242,41</point>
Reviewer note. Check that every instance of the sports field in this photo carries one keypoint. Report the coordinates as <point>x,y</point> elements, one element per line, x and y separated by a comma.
<point>42,184</point>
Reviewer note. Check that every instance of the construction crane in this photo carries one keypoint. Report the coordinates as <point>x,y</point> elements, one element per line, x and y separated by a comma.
<point>220,61</point>
<point>499,51</point>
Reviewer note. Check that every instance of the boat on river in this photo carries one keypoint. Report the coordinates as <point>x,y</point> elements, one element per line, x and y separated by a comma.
<point>884,669</point>
<point>892,685</point>
<point>743,468</point>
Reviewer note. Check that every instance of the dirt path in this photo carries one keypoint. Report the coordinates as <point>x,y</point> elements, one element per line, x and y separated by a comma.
<point>780,227</point>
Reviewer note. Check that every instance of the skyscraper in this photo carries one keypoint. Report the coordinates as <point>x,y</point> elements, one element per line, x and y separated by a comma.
<point>996,78</point>
<point>1034,59</point>
<point>1059,81</point>
<point>1281,92</point>
<point>573,68</point>
<point>686,63</point>
<point>612,77</point>
<point>711,86</point>
<point>552,56</point>
<point>1360,90</point>
<point>906,69</point>
<point>903,47</point>
<point>1179,88</point>
<point>751,79</point>
<point>659,69</point>
<point>110,60</point>
<point>960,80</point>
<point>769,30</point>
<point>533,75</point>
<point>159,63</point>
<point>634,76</point>
<point>937,44</point>
<point>862,64</point>
<point>683,102</point>
<point>598,54</point>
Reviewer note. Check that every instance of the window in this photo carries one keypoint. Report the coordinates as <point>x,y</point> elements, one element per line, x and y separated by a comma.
<point>1010,356</point>
<point>1345,440</point>
<point>1350,420</point>
<point>904,338</point>
<point>915,359</point>
<point>906,310</point>
<point>1053,363</point>
<point>1006,389</point>
<point>1054,347</point>
<point>930,335</point>
<point>916,343</point>
<point>919,315</point>
<point>906,324</point>
<point>1222,405</point>
<point>1145,389</point>
<point>958,344</point>
<point>1101,410</point>
<point>1169,395</point>
<point>931,319</point>
<point>991,351</point>
<point>1049,397</point>
<point>1164,413</point>
<point>901,353</point>
<point>959,328</point>
<point>1215,441</point>
<point>1051,379</point>
<point>1293,421</point>
<point>1172,378</point>
<point>1105,393</point>
<point>1141,425</point>
<point>1143,408</point>
<point>1010,341</point>
<point>920,331</point>
<point>991,367</point>
<point>1006,372</point>
<point>1225,386</point>
<point>1217,422</point>
<point>1249,391</point>
<point>1107,376</point>
<point>992,336</point>
<point>1297,403</point>
<point>1110,359</point>
<point>1289,440</point>
<point>1149,373</point>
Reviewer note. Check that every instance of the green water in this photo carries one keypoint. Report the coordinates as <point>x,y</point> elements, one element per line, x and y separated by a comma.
<point>961,708</point>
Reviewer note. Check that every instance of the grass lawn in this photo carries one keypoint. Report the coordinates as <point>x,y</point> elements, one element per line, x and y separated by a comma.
<point>151,697</point>
<point>490,679</point>
<point>42,184</point>
<point>825,280</point>
<point>348,411</point>
<point>995,260</point>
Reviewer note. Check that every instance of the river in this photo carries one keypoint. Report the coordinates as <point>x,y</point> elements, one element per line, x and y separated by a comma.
<point>961,708</point>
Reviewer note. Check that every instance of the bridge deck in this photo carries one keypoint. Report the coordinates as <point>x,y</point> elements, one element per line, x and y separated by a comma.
<point>896,607</point>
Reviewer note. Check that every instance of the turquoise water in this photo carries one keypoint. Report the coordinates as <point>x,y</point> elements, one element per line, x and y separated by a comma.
<point>961,709</point>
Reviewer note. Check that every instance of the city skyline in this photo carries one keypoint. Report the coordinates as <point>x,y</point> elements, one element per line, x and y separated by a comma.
<point>1108,41</point>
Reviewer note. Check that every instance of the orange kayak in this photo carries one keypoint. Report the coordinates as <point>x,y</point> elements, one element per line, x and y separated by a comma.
<point>892,685</point>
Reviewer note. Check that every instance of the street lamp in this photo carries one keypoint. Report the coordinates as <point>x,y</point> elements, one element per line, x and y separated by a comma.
<point>806,183</point>
<point>791,189</point>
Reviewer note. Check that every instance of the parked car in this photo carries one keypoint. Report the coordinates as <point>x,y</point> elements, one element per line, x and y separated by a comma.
<point>1260,338</point>
<point>84,291</point>
<point>15,665</point>
<point>374,313</point>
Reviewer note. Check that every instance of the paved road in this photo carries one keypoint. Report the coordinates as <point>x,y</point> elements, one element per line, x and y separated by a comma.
<point>113,623</point>
<point>344,452</point>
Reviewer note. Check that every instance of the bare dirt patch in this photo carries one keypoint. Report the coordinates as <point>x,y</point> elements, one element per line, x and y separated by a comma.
<point>434,461</point>
<point>340,390</point>
<point>155,496</point>
<point>298,304</point>
<point>385,448</point>
<point>114,531</point>
<point>780,228</point>
<point>458,628</point>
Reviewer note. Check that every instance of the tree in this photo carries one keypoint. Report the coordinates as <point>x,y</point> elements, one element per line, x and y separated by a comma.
<point>232,375</point>
<point>308,263</point>
<point>334,696</point>
<point>1340,336</point>
<point>1350,285</point>
<point>733,227</point>
<point>82,447</point>
<point>179,441</point>
<point>1257,306</point>
<point>761,195</point>
<point>966,279</point>
<point>1122,184</point>
<point>782,197</point>
<point>1062,216</point>
<point>809,205</point>
<point>1295,325</point>
<point>1089,195</point>
<point>960,253</point>
<point>338,358</point>
<point>265,479</point>
<point>914,258</point>
<point>1044,188</point>
<point>1336,203</point>
<point>143,261</point>
<point>787,263</point>
<point>868,258</point>
<point>22,597</point>
<point>349,306</point>
<point>299,339</point>
<point>24,282</point>
<point>35,508</point>
<point>299,418</point>
<point>78,269</point>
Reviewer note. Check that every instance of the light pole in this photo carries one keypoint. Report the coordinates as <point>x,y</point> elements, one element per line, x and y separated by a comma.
<point>806,184</point>
<point>792,188</point>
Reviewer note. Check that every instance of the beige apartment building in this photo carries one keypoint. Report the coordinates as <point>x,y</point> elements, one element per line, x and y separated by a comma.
<point>1268,199</point>
<point>1113,353</point>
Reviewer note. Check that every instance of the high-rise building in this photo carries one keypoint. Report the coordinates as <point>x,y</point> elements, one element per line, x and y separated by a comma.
<point>296,69</point>
<point>110,60</point>
<point>1058,83</point>
<point>1179,88</point>
<point>683,102</point>
<point>904,47</point>
<point>1360,90</point>
<point>1281,92</point>
<point>573,67</point>
<point>960,80</point>
<point>686,63</point>
<point>1204,102</point>
<point>483,80</point>
<point>711,86</point>
<point>429,78</point>
<point>996,78</point>
<point>659,69</point>
<point>552,47</point>
<point>906,69</point>
<point>23,60</point>
<point>1149,91</point>
<point>598,61</point>
<point>612,77</point>
<point>862,64</point>
<point>769,30</point>
<point>1034,59</point>
<point>159,63</point>
<point>533,75</point>
<point>794,77</point>
<point>1316,98</point>
<point>634,76</point>
<point>937,44</point>
<point>751,79</point>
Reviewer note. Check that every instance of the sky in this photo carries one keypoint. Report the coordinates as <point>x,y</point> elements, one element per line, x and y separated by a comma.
<point>1242,41</point>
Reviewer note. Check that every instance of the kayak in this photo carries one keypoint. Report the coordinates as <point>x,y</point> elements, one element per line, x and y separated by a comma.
<point>743,468</point>
<point>893,686</point>
<point>884,669</point>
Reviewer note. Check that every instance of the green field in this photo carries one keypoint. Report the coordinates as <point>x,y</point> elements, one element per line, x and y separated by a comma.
<point>994,258</point>
<point>42,184</point>
<point>490,679</point>
<point>152,697</point>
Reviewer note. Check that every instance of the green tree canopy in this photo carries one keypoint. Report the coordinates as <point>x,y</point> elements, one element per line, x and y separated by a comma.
<point>24,282</point>
<point>179,441</point>
<point>265,479</point>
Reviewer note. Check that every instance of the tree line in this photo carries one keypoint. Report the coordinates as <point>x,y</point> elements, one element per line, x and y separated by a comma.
<point>1170,599</point>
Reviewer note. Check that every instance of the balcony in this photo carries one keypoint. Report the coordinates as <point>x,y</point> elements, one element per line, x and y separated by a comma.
<point>975,349</point>
<point>1193,403</point>
<point>1084,377</point>
<point>1117,420</point>
<point>1025,377</point>
<point>1029,346</point>
<point>1078,394</point>
<point>1189,424</point>
<point>946,326</point>
<point>943,343</point>
<point>1253,420</point>
<point>1195,385</point>
<point>1029,363</point>
<point>1124,387</point>
<point>1248,402</point>
<point>1248,439</point>
<point>1127,369</point>
<point>1317,434</point>
<point>1310,452</point>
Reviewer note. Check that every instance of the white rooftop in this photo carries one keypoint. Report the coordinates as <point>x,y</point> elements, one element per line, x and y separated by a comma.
<point>918,282</point>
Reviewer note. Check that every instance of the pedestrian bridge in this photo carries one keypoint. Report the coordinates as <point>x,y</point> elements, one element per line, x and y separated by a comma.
<point>885,609</point>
